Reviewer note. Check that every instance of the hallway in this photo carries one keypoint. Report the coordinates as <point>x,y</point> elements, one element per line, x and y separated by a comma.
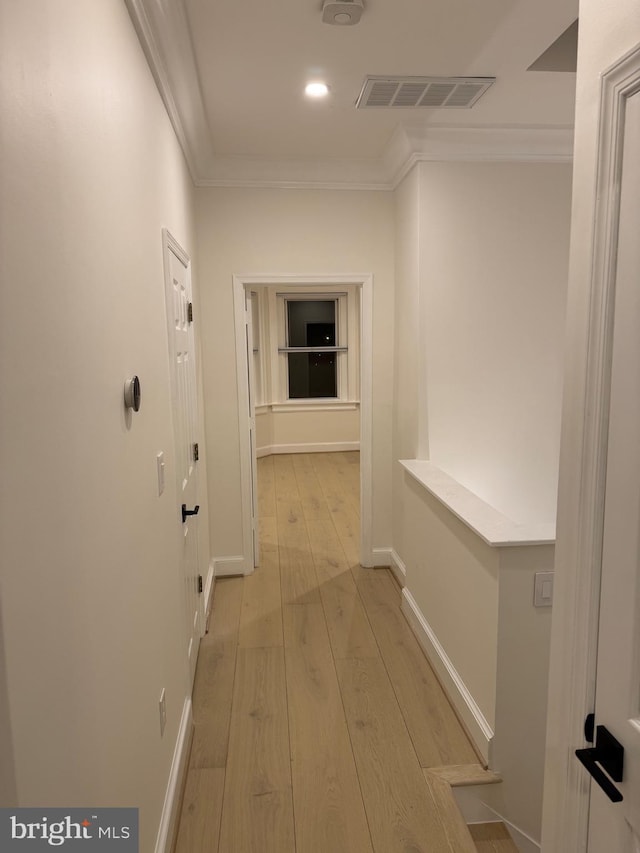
<point>315,709</point>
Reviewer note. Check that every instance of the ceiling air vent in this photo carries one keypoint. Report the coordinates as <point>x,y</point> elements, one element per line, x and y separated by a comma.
<point>422,92</point>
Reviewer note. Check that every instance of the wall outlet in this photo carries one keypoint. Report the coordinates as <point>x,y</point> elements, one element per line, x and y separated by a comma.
<point>163,712</point>
<point>543,589</point>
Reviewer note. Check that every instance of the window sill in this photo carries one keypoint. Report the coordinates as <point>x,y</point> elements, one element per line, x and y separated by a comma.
<point>314,406</point>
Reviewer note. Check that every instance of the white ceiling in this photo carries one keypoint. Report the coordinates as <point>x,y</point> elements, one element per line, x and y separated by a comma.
<point>232,73</point>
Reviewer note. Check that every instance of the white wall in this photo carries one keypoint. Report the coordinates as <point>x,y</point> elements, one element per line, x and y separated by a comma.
<point>524,634</point>
<point>453,577</point>
<point>477,601</point>
<point>481,269</point>
<point>307,430</point>
<point>92,610</point>
<point>493,277</point>
<point>295,232</point>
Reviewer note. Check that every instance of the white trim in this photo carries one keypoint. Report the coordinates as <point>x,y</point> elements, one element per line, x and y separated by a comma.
<point>163,32</point>
<point>408,146</point>
<point>494,528</point>
<point>366,421</point>
<point>365,282</point>
<point>224,567</point>
<point>388,558</point>
<point>582,485</point>
<point>171,807</point>
<point>381,558</point>
<point>244,416</point>
<point>315,406</point>
<point>474,810</point>
<point>398,568</point>
<point>458,693</point>
<point>322,447</point>
<point>208,589</point>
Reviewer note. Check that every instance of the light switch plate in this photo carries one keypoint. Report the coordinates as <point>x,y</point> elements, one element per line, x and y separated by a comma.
<point>162,706</point>
<point>160,465</point>
<point>543,589</point>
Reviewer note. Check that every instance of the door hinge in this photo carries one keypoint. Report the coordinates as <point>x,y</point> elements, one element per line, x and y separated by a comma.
<point>199,583</point>
<point>190,312</point>
<point>196,452</point>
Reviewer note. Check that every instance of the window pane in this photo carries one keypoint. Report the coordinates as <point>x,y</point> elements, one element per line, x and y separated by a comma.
<point>311,323</point>
<point>312,374</point>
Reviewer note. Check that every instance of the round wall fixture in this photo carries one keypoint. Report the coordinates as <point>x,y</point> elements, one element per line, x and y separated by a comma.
<point>342,13</point>
<point>132,394</point>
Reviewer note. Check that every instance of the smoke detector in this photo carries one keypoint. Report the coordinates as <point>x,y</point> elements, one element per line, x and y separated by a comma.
<point>342,13</point>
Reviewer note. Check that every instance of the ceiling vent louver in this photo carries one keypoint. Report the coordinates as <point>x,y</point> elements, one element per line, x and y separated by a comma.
<point>422,92</point>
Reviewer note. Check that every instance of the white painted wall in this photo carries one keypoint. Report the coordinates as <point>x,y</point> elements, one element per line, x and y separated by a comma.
<point>607,32</point>
<point>481,268</point>
<point>524,634</point>
<point>477,601</point>
<point>90,595</point>
<point>288,232</point>
<point>493,277</point>
<point>453,577</point>
<point>304,429</point>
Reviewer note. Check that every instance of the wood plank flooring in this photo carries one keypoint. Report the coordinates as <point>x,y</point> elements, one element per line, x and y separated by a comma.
<point>315,710</point>
<point>492,838</point>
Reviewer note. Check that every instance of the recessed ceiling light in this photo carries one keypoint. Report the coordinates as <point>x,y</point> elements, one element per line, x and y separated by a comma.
<point>316,90</point>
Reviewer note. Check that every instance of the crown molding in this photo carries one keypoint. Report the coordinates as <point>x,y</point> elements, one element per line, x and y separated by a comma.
<point>524,144</point>
<point>351,174</point>
<point>163,30</point>
<point>408,146</point>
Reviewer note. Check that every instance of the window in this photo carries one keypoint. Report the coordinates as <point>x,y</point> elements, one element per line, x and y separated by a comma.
<point>313,349</point>
<point>305,347</point>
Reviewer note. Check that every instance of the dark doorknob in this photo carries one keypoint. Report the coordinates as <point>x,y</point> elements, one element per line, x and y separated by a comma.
<point>610,754</point>
<point>186,512</point>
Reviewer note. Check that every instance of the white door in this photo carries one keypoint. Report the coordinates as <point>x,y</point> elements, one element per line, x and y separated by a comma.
<point>251,380</point>
<point>615,827</point>
<point>183,372</point>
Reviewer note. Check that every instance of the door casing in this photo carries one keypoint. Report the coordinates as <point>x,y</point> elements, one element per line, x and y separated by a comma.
<point>582,490</point>
<point>365,283</point>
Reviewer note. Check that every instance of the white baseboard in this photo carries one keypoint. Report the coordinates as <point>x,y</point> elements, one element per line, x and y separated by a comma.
<point>224,567</point>
<point>398,568</point>
<point>381,557</point>
<point>208,588</point>
<point>459,695</point>
<point>388,557</point>
<point>171,807</point>
<point>474,810</point>
<point>322,447</point>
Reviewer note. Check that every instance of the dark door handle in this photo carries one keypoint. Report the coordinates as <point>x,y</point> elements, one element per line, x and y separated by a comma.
<point>610,754</point>
<point>187,512</point>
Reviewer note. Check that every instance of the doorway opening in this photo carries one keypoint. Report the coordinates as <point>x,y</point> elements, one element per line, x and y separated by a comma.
<point>318,362</point>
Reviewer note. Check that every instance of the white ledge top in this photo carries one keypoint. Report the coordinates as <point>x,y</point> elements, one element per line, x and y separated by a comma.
<point>491,526</point>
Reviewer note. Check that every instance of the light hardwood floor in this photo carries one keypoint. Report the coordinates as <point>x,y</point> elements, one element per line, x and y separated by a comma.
<point>315,709</point>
